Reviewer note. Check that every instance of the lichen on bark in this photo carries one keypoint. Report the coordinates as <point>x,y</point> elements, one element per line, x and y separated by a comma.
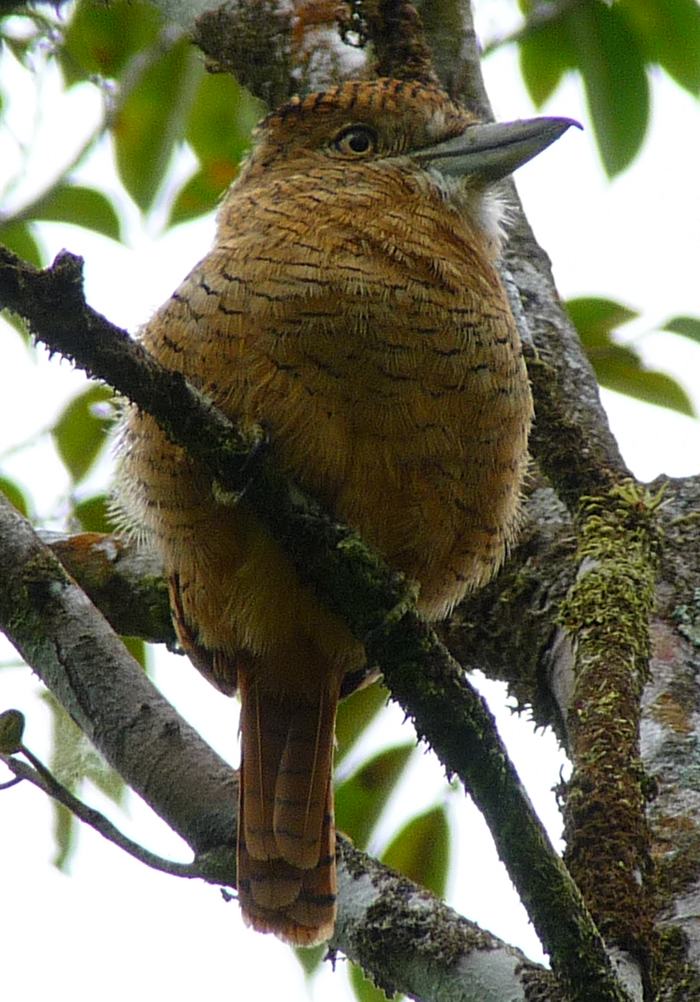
<point>607,615</point>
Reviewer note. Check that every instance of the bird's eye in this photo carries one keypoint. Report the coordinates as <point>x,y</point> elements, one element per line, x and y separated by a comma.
<point>357,141</point>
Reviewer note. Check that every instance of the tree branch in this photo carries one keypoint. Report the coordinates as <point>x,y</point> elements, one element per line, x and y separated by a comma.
<point>409,941</point>
<point>124,580</point>
<point>670,748</point>
<point>251,41</point>
<point>87,668</point>
<point>70,645</point>
<point>509,628</point>
<point>428,684</point>
<point>500,627</point>
<point>354,581</point>
<point>398,36</point>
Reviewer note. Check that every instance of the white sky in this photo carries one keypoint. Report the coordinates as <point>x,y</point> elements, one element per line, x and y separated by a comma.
<point>115,928</point>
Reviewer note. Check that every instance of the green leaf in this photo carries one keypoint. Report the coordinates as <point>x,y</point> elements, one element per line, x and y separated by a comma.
<point>355,714</point>
<point>685,326</point>
<point>106,779</point>
<point>201,194</point>
<point>643,384</point>
<point>19,238</point>
<point>17,323</point>
<point>222,119</point>
<point>619,367</point>
<point>421,850</point>
<point>102,40</point>
<point>15,495</point>
<point>66,744</point>
<point>138,650</point>
<point>73,760</point>
<point>363,988</point>
<point>311,958</point>
<point>152,120</point>
<point>545,55</point>
<point>65,831</point>
<point>596,317</point>
<point>219,129</point>
<point>360,800</point>
<point>614,76</point>
<point>669,31</point>
<point>93,514</point>
<point>80,432</point>
<point>80,206</point>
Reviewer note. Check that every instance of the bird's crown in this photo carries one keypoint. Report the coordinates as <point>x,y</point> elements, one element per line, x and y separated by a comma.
<point>361,119</point>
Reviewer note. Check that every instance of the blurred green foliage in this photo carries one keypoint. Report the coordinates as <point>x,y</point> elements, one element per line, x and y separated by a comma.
<point>360,800</point>
<point>619,366</point>
<point>615,48</point>
<point>80,433</point>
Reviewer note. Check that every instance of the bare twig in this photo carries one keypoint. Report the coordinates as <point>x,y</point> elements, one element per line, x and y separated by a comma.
<point>40,777</point>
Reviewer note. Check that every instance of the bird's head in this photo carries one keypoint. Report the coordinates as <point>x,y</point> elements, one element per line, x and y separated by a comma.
<point>364,122</point>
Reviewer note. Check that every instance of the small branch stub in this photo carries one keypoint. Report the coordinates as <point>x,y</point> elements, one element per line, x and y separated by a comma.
<point>11,732</point>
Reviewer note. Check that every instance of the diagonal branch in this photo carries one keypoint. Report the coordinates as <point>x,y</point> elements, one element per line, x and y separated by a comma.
<point>429,685</point>
<point>383,918</point>
<point>364,589</point>
<point>70,645</point>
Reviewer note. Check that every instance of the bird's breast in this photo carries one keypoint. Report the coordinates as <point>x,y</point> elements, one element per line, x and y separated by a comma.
<point>374,341</point>
<point>378,348</point>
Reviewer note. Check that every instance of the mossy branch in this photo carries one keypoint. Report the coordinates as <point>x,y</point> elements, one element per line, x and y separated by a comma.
<point>353,581</point>
<point>607,614</point>
<point>194,791</point>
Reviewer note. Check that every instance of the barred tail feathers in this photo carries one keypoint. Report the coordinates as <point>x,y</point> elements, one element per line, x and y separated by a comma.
<point>286,844</point>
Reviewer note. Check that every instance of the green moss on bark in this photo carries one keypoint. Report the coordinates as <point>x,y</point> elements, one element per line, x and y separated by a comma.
<point>607,615</point>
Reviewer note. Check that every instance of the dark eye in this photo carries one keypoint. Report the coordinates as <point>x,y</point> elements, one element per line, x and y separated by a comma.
<point>357,141</point>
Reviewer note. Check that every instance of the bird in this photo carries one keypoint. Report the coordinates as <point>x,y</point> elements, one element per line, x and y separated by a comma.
<point>352,308</point>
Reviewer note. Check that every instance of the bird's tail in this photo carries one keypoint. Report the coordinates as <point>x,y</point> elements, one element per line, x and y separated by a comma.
<point>286,834</point>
